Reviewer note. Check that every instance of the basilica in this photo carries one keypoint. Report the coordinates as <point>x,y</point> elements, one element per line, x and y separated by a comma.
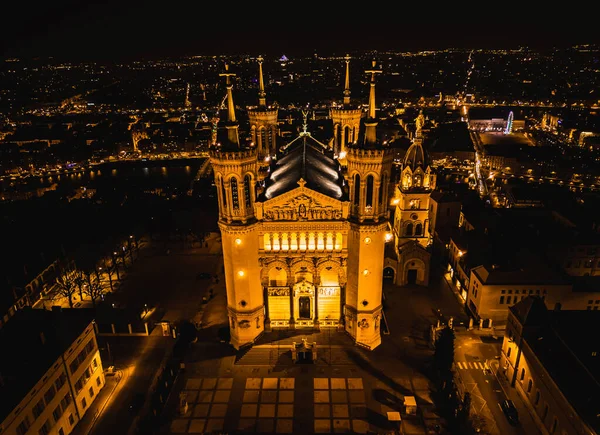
<point>306,226</point>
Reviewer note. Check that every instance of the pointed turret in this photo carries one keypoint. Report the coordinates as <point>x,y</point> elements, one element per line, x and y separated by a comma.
<point>263,121</point>
<point>371,121</point>
<point>262,100</point>
<point>347,82</point>
<point>346,120</point>
<point>232,125</point>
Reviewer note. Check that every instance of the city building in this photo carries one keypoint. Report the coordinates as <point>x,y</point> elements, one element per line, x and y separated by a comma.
<point>304,247</point>
<point>50,371</point>
<point>553,364</point>
<point>494,119</point>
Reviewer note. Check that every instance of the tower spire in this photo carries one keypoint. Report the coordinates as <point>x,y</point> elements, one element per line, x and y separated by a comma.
<point>232,127</point>
<point>262,101</point>
<point>347,83</point>
<point>371,121</point>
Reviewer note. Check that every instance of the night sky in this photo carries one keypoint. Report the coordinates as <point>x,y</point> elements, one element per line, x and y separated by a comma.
<point>112,29</point>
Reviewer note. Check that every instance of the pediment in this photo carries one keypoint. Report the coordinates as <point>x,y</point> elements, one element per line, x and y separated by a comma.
<point>302,204</point>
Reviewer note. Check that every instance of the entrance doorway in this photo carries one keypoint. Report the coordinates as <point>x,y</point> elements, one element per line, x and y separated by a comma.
<point>388,273</point>
<point>304,307</point>
<point>411,276</point>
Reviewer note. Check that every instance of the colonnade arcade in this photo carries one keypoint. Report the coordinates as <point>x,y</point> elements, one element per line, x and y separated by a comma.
<point>303,292</point>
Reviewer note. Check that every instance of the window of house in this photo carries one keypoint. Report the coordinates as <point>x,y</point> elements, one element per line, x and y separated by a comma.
<point>510,292</point>
<point>71,419</point>
<point>529,386</point>
<point>503,291</point>
<point>522,374</point>
<point>597,301</point>
<point>38,408</point>
<point>45,429</point>
<point>57,413</point>
<point>545,414</point>
<point>517,291</point>
<point>23,427</point>
<point>49,395</point>
<point>501,299</point>
<point>537,292</point>
<point>595,308</point>
<point>91,391</point>
<point>66,401</point>
<point>530,291</point>
<point>554,425</point>
<point>60,381</point>
<point>83,403</point>
<point>508,298</point>
<point>589,308</point>
<point>537,398</point>
<point>508,352</point>
<point>98,381</point>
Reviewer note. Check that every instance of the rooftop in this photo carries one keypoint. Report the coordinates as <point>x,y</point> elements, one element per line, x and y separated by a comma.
<point>568,355</point>
<point>31,342</point>
<point>305,158</point>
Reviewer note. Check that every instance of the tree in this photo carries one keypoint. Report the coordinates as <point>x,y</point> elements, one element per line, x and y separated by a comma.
<point>93,288</point>
<point>79,279</point>
<point>444,354</point>
<point>66,285</point>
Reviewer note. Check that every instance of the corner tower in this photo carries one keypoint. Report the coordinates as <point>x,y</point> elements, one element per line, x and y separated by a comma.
<point>235,171</point>
<point>417,181</point>
<point>263,121</point>
<point>346,120</point>
<point>368,170</point>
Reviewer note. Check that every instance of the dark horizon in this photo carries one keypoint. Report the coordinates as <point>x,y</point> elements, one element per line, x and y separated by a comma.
<point>133,29</point>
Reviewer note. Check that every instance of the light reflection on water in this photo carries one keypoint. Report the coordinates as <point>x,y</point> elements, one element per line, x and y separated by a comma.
<point>173,176</point>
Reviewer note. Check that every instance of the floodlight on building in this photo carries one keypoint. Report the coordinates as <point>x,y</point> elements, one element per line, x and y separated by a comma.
<point>238,241</point>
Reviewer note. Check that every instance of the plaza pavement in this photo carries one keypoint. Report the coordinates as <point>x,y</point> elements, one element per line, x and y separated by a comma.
<point>346,390</point>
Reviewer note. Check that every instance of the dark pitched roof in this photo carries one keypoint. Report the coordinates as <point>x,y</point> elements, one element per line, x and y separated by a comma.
<point>305,158</point>
<point>26,356</point>
<point>440,196</point>
<point>568,355</point>
<point>531,311</point>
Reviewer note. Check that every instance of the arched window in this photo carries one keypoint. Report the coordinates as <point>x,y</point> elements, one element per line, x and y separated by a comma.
<point>382,188</point>
<point>418,180</point>
<point>529,386</point>
<point>223,194</point>
<point>545,414</point>
<point>356,189</point>
<point>247,195</point>
<point>409,230</point>
<point>369,198</point>
<point>234,193</point>
<point>522,374</point>
<point>554,425</point>
<point>537,398</point>
<point>418,229</point>
<point>510,348</point>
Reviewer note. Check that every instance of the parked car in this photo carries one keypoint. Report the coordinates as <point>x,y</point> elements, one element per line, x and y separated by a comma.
<point>509,409</point>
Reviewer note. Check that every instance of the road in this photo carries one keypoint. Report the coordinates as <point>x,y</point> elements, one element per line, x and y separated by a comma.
<point>475,363</point>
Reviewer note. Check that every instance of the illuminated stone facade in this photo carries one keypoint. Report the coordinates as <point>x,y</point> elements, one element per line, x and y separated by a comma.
<point>304,248</point>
